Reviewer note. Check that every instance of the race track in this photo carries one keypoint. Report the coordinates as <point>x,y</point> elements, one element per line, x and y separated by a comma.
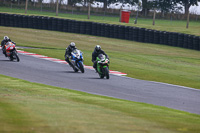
<point>61,75</point>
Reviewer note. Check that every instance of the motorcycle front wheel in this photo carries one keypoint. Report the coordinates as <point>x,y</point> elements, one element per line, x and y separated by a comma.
<point>15,56</point>
<point>81,67</point>
<point>101,73</point>
<point>106,71</point>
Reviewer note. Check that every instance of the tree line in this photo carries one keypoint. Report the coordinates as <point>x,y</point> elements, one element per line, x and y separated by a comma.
<point>164,6</point>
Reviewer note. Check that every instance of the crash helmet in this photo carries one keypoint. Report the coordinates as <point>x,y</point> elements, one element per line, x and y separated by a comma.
<point>6,38</point>
<point>98,48</point>
<point>72,44</point>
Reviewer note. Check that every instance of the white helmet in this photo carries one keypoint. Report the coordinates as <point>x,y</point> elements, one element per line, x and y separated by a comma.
<point>6,38</point>
<point>72,44</point>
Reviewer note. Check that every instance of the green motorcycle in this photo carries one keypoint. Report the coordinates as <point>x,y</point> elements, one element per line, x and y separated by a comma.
<point>103,66</point>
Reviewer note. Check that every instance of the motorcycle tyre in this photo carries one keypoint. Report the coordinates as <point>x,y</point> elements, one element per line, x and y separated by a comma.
<point>81,67</point>
<point>10,58</point>
<point>75,69</point>
<point>106,71</point>
<point>17,57</point>
<point>101,76</point>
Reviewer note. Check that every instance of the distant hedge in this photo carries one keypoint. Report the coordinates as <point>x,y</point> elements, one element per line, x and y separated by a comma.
<point>101,29</point>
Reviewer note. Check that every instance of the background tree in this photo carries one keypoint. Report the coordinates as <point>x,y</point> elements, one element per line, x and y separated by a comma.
<point>139,6</point>
<point>106,3</point>
<point>167,6</point>
<point>187,4</point>
<point>131,2</point>
<point>26,7</point>
<point>155,6</point>
<point>84,2</point>
<point>57,3</point>
<point>145,7</point>
<point>40,1</point>
<point>89,5</point>
<point>89,2</point>
<point>73,2</point>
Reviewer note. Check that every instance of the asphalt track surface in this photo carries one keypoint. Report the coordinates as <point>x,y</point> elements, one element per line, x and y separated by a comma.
<point>61,75</point>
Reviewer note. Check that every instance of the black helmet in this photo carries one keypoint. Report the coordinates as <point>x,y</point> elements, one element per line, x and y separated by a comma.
<point>97,48</point>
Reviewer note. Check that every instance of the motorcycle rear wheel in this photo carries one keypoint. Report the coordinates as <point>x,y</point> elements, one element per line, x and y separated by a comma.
<point>11,58</point>
<point>75,69</point>
<point>101,76</point>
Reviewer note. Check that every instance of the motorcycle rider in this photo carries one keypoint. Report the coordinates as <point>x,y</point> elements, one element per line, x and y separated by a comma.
<point>68,51</point>
<point>97,51</point>
<point>3,43</point>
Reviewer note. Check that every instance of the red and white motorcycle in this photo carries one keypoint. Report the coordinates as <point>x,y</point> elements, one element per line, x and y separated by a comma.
<point>11,51</point>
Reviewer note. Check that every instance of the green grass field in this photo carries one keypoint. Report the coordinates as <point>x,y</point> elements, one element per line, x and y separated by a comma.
<point>163,25</point>
<point>31,107</point>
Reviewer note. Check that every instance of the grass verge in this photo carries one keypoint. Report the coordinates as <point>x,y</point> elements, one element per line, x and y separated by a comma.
<point>32,107</point>
<point>163,25</point>
<point>139,60</point>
